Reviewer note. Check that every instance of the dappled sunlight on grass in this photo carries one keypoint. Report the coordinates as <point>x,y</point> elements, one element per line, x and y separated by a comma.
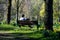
<point>32,33</point>
<point>56,27</point>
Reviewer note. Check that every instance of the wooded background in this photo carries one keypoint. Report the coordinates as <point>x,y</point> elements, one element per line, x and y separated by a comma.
<point>28,7</point>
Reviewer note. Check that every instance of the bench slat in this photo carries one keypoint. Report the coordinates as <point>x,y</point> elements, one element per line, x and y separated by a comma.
<point>27,22</point>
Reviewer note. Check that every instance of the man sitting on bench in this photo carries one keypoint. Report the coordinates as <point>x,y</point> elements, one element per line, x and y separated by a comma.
<point>23,18</point>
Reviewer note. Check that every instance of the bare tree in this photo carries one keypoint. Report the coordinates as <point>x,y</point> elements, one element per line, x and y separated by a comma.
<point>17,10</point>
<point>19,5</point>
<point>9,11</point>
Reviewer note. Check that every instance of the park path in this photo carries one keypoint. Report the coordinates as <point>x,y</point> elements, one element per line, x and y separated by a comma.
<point>9,36</point>
<point>13,36</point>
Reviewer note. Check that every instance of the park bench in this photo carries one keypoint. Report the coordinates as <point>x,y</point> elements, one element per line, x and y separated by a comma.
<point>27,22</point>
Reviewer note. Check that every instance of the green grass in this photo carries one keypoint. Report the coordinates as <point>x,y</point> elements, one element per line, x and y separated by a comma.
<point>6,27</point>
<point>41,34</point>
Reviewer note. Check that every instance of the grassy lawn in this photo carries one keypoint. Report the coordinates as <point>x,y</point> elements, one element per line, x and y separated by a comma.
<point>27,33</point>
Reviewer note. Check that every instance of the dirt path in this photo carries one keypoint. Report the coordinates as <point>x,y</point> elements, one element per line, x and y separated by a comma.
<point>7,36</point>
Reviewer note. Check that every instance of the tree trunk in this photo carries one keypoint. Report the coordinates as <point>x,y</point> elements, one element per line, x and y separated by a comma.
<point>17,10</point>
<point>49,14</point>
<point>9,12</point>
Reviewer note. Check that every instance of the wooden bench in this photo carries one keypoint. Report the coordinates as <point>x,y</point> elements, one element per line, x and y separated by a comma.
<point>27,22</point>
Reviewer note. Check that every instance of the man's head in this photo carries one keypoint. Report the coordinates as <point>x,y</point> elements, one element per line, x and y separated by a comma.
<point>23,15</point>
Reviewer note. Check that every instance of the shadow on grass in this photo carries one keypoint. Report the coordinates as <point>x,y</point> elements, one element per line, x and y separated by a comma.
<point>5,29</point>
<point>36,35</point>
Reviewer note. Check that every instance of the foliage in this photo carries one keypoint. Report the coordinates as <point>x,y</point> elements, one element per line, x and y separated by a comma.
<point>6,27</point>
<point>55,10</point>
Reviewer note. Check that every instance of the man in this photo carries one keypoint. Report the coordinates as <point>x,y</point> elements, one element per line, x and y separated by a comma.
<point>23,18</point>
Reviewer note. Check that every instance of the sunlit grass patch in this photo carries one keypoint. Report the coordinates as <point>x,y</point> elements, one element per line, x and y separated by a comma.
<point>56,27</point>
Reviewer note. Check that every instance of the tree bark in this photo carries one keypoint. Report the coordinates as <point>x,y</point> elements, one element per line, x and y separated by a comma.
<point>17,10</point>
<point>9,11</point>
<point>49,14</point>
